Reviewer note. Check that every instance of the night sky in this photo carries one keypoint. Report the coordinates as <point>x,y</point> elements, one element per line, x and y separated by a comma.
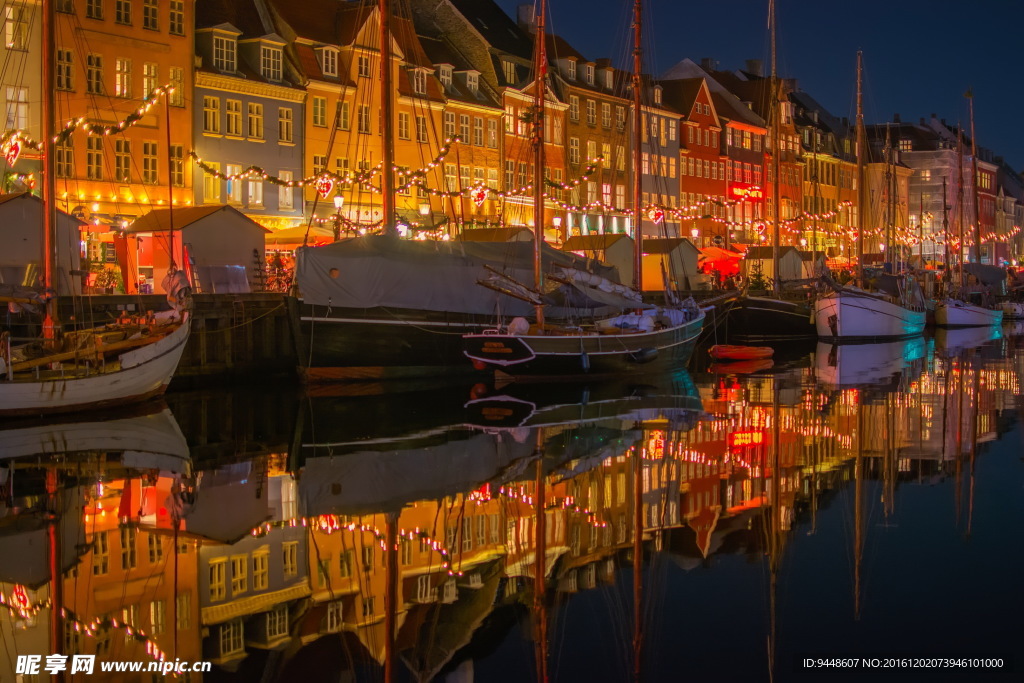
<point>919,57</point>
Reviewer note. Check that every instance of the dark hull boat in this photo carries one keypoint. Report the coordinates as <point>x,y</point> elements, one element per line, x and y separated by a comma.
<point>758,318</point>
<point>382,308</point>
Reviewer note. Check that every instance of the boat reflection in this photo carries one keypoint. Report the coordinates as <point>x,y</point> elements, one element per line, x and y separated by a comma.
<point>888,363</point>
<point>952,341</point>
<point>474,533</point>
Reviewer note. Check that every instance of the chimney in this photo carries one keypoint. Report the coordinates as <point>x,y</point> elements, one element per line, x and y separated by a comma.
<point>527,18</point>
<point>896,118</point>
<point>755,67</point>
<point>708,64</point>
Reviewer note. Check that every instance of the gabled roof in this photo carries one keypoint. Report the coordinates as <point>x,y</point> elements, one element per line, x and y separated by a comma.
<point>593,242</point>
<point>5,198</point>
<point>666,245</point>
<point>726,104</point>
<point>159,220</point>
<point>438,51</point>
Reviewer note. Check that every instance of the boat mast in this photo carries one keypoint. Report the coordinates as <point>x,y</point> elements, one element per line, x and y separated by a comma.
<point>888,202</point>
<point>945,226</point>
<point>540,65</point>
<point>860,169</point>
<point>960,202</point>
<point>170,188</point>
<point>638,230</point>
<point>773,115</point>
<point>51,323</point>
<point>974,184</point>
<point>387,184</point>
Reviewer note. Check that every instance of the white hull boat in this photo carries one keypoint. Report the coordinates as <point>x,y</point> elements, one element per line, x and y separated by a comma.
<point>954,313</point>
<point>854,315</point>
<point>1013,310</point>
<point>133,376</point>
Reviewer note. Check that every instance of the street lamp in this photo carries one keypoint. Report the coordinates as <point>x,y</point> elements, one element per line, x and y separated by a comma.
<point>339,201</point>
<point>695,234</point>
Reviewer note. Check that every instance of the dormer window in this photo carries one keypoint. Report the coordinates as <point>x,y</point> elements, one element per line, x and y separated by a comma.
<point>328,61</point>
<point>472,81</point>
<point>509,69</point>
<point>270,62</point>
<point>590,74</point>
<point>444,74</point>
<point>572,69</point>
<point>419,82</point>
<point>609,79</point>
<point>224,53</point>
<point>364,66</point>
<point>657,94</point>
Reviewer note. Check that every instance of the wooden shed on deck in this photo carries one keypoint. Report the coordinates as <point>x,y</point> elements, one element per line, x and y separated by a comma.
<point>21,234</point>
<point>613,249</point>
<point>679,257</point>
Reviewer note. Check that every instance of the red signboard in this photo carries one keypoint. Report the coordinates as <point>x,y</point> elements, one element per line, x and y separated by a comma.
<point>746,192</point>
<point>747,438</point>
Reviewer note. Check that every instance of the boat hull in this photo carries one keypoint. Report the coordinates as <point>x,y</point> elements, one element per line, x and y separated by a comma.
<point>762,318</point>
<point>570,355</point>
<point>951,313</point>
<point>1013,310</point>
<point>144,373</point>
<point>851,316</point>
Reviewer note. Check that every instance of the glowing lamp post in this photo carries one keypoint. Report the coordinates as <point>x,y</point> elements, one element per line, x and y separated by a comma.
<point>339,201</point>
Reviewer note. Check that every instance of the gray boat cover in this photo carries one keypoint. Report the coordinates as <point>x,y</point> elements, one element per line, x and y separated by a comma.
<point>988,275</point>
<point>380,271</point>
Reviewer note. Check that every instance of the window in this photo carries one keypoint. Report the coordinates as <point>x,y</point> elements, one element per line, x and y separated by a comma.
<point>444,74</point>
<point>508,68</point>
<point>320,111</point>
<point>368,607</point>
<point>123,12</point>
<point>464,128</point>
<point>403,125</point>
<point>289,549</point>
<point>270,63</point>
<point>224,53</point>
<point>328,61</point>
<point>449,124</point>
<point>363,118</point>
<point>233,117</point>
<point>177,81</point>
<point>150,176</point>
<point>15,28</point>
<point>478,131</point>
<point>277,622</point>
<point>419,82</point>
<point>255,126</point>
<point>65,70</point>
<point>285,125</point>
<point>157,617</point>
<point>574,106</point>
<point>492,133</point>
<point>183,602</point>
<point>67,6</point>
<point>211,195</point>
<point>94,157</point>
<point>574,150</point>
<point>341,116</point>
<point>472,81</point>
<point>591,112</point>
<point>590,74</point>
<point>94,9</point>
<point>657,95</point>
<point>510,175</point>
<point>177,17</point>
<point>94,74</point>
<point>334,617</point>
<point>149,78</point>
<point>606,154</point>
<point>572,69</point>
<point>345,564</point>
<point>128,557</point>
<point>123,78</point>
<point>285,200</point>
<point>211,115</point>
<point>510,117</point>
<point>100,551</point>
<point>234,184</point>
<point>177,165</point>
<point>591,150</point>
<point>620,118</point>
<point>231,637</point>
<point>65,159</point>
<point>150,18</point>
<point>17,107</point>
<point>421,128</point>
<point>261,559</point>
<point>606,115</point>
<point>364,66</point>
<point>239,575</point>
<point>906,145</point>
<point>319,164</point>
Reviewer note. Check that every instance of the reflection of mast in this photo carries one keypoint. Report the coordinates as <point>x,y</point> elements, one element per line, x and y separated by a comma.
<point>861,159</point>
<point>638,562</point>
<point>56,574</point>
<point>976,400</point>
<point>540,570</point>
<point>390,594</point>
<point>858,476</point>
<point>774,539</point>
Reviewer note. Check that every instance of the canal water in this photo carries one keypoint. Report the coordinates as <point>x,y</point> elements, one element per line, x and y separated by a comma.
<point>836,513</point>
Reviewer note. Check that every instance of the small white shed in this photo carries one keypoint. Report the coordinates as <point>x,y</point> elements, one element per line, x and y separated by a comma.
<point>613,249</point>
<point>677,255</point>
<point>21,244</point>
<point>790,264</point>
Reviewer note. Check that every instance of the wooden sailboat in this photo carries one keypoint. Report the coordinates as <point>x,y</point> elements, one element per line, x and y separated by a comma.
<point>618,344</point>
<point>958,311</point>
<point>91,368</point>
<point>854,313</point>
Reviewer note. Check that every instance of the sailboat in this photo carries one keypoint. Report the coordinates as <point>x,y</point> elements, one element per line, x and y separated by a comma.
<point>639,335</point>
<point>114,365</point>
<point>959,311</point>
<point>896,310</point>
<point>761,318</point>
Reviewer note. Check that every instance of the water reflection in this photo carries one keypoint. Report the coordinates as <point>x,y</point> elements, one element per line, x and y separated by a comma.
<point>555,532</point>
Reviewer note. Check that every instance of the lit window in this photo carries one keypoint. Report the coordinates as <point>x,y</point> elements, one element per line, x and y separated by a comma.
<point>123,78</point>
<point>94,74</point>
<point>17,108</point>
<point>285,125</point>
<point>329,61</point>
<point>270,63</point>
<point>123,174</point>
<point>149,78</point>
<point>150,176</point>
<point>15,28</point>
<point>285,200</point>
<point>224,54</point>
<point>255,121</point>
<point>211,114</point>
